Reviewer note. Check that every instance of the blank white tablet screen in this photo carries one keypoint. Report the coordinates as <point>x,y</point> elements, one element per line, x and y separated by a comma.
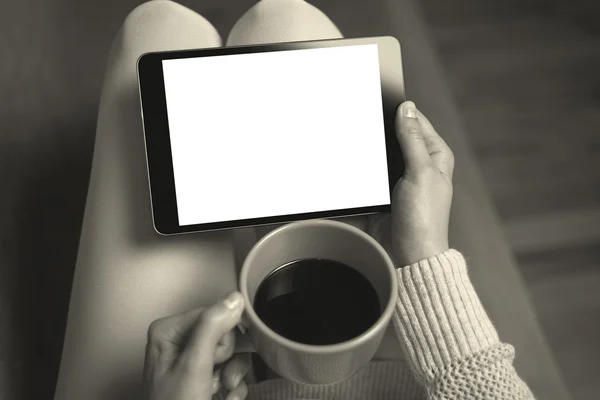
<point>276,133</point>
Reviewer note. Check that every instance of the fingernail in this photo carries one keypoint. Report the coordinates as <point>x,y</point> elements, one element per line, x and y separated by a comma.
<point>234,301</point>
<point>408,109</point>
<point>236,381</point>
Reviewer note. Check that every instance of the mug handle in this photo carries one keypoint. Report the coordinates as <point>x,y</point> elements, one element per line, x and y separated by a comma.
<point>244,344</point>
<point>243,341</point>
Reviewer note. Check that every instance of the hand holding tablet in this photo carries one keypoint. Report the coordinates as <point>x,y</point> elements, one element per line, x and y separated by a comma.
<point>252,135</point>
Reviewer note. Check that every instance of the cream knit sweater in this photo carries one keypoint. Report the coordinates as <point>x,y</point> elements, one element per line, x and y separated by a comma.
<point>451,347</point>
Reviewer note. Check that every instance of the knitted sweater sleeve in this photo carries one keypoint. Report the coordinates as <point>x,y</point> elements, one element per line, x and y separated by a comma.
<point>448,339</point>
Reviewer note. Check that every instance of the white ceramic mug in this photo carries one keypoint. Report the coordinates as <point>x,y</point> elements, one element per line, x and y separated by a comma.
<point>327,239</point>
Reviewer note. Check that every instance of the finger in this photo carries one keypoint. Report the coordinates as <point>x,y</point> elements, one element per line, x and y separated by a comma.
<point>213,324</point>
<point>235,370</point>
<point>225,348</point>
<point>165,338</point>
<point>172,331</point>
<point>439,151</point>
<point>412,142</point>
<point>239,393</point>
<point>216,381</point>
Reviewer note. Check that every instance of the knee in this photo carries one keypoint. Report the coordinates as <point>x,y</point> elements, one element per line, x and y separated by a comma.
<point>167,25</point>
<point>153,9</point>
<point>281,21</point>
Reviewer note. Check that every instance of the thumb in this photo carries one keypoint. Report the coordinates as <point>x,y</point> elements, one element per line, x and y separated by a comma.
<point>212,325</point>
<point>410,136</point>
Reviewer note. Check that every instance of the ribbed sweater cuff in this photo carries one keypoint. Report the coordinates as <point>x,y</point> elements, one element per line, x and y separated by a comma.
<point>439,317</point>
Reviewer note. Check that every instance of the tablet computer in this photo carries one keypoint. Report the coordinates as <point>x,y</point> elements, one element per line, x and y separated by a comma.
<point>274,133</point>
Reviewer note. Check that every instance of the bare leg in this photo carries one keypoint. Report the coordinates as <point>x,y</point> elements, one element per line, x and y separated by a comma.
<point>126,276</point>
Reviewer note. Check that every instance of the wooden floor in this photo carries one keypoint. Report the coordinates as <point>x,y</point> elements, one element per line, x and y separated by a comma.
<point>525,77</point>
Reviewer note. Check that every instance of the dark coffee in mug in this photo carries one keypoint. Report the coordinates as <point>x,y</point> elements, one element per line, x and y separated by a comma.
<point>317,302</point>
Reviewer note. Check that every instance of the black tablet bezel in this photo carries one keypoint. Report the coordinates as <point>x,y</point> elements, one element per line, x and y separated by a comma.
<point>158,145</point>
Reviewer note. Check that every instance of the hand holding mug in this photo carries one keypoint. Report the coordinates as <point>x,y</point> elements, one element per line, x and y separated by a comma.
<point>190,355</point>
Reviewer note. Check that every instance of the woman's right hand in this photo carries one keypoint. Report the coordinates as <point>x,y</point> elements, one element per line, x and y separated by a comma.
<point>189,356</point>
<point>422,198</point>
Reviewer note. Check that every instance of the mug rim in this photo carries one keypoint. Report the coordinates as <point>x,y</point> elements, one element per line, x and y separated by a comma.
<point>381,323</point>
